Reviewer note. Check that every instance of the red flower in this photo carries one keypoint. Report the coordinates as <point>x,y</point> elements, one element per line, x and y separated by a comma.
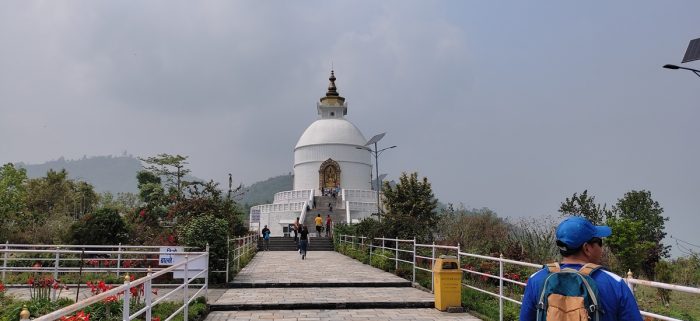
<point>155,319</point>
<point>142,213</point>
<point>2,287</point>
<point>30,281</point>
<point>110,299</point>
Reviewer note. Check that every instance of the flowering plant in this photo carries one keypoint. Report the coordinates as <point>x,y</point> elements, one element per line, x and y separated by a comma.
<point>40,288</point>
<point>2,290</point>
<point>80,316</point>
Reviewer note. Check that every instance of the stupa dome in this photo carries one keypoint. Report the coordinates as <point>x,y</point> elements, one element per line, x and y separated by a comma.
<point>331,131</point>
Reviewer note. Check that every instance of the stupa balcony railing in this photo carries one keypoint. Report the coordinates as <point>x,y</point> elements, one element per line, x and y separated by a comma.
<point>293,196</point>
<point>359,195</point>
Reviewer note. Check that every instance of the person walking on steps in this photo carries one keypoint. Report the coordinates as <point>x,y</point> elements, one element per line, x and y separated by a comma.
<point>295,229</point>
<point>578,288</point>
<point>328,225</point>
<point>266,238</point>
<point>303,241</point>
<point>319,224</point>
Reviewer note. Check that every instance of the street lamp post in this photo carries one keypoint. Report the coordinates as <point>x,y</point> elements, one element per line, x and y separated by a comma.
<point>674,67</point>
<point>376,152</point>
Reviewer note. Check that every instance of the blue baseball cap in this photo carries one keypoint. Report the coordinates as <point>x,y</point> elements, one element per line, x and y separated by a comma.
<point>574,231</point>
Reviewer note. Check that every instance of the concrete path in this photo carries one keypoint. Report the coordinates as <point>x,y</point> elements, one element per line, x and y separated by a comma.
<point>343,315</point>
<point>324,286</point>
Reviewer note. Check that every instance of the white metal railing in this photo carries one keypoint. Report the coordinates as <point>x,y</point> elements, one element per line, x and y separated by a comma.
<point>359,195</point>
<point>412,249</point>
<point>293,196</point>
<point>242,246</point>
<point>18,258</point>
<point>363,206</point>
<point>284,207</point>
<point>147,281</point>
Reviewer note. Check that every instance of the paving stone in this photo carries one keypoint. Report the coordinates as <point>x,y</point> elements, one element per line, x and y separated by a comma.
<point>347,315</point>
<point>318,267</point>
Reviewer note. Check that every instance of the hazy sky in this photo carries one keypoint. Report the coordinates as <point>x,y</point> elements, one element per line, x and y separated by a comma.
<point>511,106</point>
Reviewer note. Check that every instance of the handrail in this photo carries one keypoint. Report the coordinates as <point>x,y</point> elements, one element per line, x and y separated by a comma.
<point>244,246</point>
<point>501,277</point>
<point>129,284</point>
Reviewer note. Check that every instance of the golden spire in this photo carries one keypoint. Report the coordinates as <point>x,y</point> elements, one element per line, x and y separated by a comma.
<point>332,93</point>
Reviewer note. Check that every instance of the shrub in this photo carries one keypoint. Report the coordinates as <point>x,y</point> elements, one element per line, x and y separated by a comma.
<point>382,259</point>
<point>103,227</point>
<point>203,230</point>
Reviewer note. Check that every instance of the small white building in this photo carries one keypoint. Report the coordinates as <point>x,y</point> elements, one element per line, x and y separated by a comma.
<point>329,159</point>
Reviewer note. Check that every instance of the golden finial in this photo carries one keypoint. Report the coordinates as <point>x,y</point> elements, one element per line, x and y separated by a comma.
<point>332,93</point>
<point>24,315</point>
<point>127,278</point>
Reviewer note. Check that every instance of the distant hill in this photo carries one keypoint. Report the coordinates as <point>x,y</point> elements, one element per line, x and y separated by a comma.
<point>116,174</point>
<point>263,192</point>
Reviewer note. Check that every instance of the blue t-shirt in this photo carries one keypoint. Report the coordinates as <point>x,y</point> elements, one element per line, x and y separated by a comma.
<point>614,297</point>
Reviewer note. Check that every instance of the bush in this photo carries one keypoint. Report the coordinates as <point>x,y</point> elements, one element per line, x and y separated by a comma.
<point>203,230</point>
<point>103,227</point>
<point>382,259</point>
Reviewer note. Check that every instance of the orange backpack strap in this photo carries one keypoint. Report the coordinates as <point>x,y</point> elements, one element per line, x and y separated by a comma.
<point>553,267</point>
<point>588,268</point>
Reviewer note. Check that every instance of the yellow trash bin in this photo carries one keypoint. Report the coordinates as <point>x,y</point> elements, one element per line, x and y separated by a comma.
<point>447,283</point>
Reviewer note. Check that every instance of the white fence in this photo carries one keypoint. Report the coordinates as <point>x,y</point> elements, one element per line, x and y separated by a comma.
<point>18,258</point>
<point>237,249</point>
<point>293,196</point>
<point>411,249</point>
<point>147,283</point>
<point>359,195</point>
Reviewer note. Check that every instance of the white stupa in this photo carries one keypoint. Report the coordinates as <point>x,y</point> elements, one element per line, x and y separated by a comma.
<point>327,161</point>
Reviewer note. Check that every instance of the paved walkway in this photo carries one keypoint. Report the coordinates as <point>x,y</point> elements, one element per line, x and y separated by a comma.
<point>278,285</point>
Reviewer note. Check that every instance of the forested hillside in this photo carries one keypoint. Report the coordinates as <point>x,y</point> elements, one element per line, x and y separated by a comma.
<point>115,174</point>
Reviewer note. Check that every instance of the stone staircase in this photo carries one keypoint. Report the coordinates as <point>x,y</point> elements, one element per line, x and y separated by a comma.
<point>337,215</point>
<point>287,244</point>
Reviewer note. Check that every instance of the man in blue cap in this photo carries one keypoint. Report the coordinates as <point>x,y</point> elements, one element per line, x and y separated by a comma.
<point>581,243</point>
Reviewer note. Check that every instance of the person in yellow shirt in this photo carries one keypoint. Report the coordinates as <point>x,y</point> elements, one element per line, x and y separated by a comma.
<point>319,224</point>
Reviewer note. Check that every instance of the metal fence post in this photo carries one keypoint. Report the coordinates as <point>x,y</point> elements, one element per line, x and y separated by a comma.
<point>432,274</point>
<point>206,276</point>
<point>500,288</point>
<point>4,260</point>
<point>238,256</point>
<point>414,259</point>
<point>228,255</point>
<point>370,252</point>
<point>55,269</point>
<point>396,254</point>
<point>125,305</point>
<point>119,260</point>
<point>184,290</point>
<point>147,292</point>
<point>629,284</point>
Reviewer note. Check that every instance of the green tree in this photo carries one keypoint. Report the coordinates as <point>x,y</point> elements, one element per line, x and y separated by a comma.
<point>13,194</point>
<point>52,204</point>
<point>207,198</point>
<point>171,168</point>
<point>638,231</point>
<point>477,230</point>
<point>411,208</point>
<point>105,226</point>
<point>203,230</point>
<point>584,205</point>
